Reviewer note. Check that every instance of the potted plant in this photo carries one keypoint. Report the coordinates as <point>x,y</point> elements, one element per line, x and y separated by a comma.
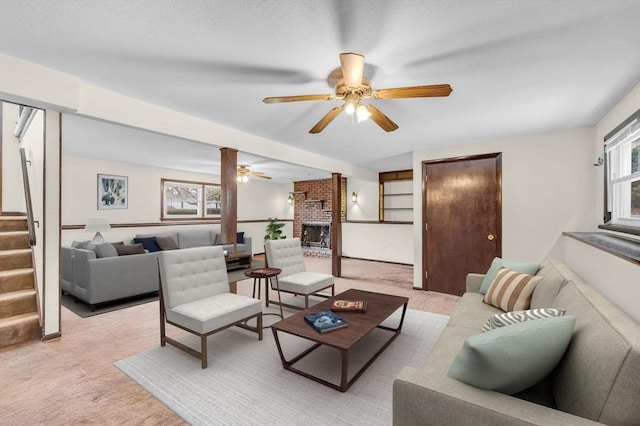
<point>274,231</point>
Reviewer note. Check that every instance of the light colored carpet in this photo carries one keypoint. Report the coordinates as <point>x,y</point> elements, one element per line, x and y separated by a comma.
<point>246,384</point>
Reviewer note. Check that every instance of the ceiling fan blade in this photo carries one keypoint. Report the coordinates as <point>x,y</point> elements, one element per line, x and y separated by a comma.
<point>259,175</point>
<point>278,99</point>
<point>352,68</point>
<point>434,90</point>
<point>328,118</point>
<point>381,119</point>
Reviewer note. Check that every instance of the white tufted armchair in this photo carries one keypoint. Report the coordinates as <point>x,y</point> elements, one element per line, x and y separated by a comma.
<point>195,296</point>
<point>287,255</point>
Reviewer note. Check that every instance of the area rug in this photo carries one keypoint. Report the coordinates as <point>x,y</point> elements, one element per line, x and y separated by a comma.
<point>83,310</point>
<point>246,384</point>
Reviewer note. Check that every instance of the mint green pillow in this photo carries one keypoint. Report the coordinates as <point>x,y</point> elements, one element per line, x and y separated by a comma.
<point>497,263</point>
<point>513,358</point>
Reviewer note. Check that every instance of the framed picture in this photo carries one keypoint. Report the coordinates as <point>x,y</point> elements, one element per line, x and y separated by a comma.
<point>113,192</point>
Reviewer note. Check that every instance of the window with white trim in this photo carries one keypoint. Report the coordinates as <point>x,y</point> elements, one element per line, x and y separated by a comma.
<point>622,162</point>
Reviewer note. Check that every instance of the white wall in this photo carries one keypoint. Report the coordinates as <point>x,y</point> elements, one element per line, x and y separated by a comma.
<point>257,200</point>
<point>378,241</point>
<point>617,279</point>
<point>12,189</point>
<point>366,208</point>
<point>548,185</point>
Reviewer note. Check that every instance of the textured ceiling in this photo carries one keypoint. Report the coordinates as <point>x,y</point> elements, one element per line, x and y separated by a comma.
<point>516,67</point>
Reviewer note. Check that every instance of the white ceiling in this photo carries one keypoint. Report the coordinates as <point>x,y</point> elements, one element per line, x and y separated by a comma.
<point>516,67</point>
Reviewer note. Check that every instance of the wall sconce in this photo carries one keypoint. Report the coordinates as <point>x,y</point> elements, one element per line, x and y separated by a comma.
<point>354,197</point>
<point>97,224</point>
<point>290,200</point>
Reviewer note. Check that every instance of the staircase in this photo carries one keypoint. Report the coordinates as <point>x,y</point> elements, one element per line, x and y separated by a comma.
<point>19,317</point>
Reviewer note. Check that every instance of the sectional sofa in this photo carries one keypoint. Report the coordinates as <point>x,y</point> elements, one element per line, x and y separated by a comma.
<point>597,380</point>
<point>106,272</point>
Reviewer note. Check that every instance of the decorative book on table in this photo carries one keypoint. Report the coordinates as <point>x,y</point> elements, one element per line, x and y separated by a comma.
<point>349,306</point>
<point>325,321</point>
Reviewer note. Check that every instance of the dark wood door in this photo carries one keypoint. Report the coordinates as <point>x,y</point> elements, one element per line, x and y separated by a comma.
<point>462,220</point>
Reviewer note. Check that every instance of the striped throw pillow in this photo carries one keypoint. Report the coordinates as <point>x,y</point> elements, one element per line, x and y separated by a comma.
<point>509,318</point>
<point>511,290</point>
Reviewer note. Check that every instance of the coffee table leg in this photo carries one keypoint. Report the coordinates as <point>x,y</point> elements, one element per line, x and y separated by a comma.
<point>344,380</point>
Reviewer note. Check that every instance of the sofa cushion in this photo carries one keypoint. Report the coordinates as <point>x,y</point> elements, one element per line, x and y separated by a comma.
<point>240,237</point>
<point>127,249</point>
<point>511,290</point>
<point>105,250</point>
<point>509,318</point>
<point>550,284</point>
<point>598,376</point>
<point>166,243</point>
<point>513,358</point>
<point>471,312</point>
<point>148,243</point>
<point>189,239</point>
<point>497,263</point>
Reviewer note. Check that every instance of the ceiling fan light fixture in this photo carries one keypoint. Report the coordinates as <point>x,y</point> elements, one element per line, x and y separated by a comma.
<point>362,113</point>
<point>243,178</point>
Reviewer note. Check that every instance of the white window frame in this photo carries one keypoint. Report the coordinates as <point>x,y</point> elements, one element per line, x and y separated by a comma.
<point>198,191</point>
<point>619,175</point>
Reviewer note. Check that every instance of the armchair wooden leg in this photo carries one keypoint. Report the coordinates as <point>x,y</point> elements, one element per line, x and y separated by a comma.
<point>204,351</point>
<point>306,301</point>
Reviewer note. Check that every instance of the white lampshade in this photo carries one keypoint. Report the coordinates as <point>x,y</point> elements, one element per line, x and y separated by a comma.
<point>97,224</point>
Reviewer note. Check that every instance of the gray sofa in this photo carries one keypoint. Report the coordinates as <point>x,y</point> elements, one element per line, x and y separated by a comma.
<point>596,382</point>
<point>93,277</point>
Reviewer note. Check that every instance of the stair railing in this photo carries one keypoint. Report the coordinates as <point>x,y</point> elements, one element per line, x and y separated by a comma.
<point>27,198</point>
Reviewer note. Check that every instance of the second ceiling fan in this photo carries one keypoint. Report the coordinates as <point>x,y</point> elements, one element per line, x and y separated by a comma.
<point>353,87</point>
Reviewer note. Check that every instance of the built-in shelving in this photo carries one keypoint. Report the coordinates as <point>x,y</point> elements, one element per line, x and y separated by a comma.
<point>396,196</point>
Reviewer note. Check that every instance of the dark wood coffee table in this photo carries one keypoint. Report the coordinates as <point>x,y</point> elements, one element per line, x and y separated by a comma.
<point>379,307</point>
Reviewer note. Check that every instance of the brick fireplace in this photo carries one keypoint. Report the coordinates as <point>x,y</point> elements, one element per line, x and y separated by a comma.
<point>313,206</point>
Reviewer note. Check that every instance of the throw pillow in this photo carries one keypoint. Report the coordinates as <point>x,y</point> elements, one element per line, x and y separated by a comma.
<point>511,290</point>
<point>513,358</point>
<point>80,244</point>
<point>497,263</point>
<point>148,243</point>
<point>240,237</point>
<point>125,250</point>
<point>509,318</point>
<point>166,243</point>
<point>106,250</point>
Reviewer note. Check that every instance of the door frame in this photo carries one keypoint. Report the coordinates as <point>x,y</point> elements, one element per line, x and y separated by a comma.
<point>423,224</point>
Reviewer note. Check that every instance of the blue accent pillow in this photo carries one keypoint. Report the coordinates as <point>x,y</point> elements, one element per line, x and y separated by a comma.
<point>150,244</point>
<point>513,358</point>
<point>497,263</point>
<point>240,237</point>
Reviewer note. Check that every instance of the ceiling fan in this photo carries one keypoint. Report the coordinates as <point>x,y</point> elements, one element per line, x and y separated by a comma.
<point>352,87</point>
<point>244,173</point>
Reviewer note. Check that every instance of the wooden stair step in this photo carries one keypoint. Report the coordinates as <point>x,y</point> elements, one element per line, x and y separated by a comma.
<point>13,223</point>
<point>14,240</point>
<point>16,279</point>
<point>19,328</point>
<point>18,302</point>
<point>15,259</point>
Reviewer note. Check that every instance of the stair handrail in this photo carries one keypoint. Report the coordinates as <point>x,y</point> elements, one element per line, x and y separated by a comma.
<point>27,198</point>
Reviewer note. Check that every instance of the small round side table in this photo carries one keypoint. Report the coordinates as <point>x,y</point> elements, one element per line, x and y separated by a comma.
<point>268,274</point>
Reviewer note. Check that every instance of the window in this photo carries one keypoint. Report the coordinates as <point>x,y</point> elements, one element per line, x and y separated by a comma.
<point>189,200</point>
<point>622,171</point>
